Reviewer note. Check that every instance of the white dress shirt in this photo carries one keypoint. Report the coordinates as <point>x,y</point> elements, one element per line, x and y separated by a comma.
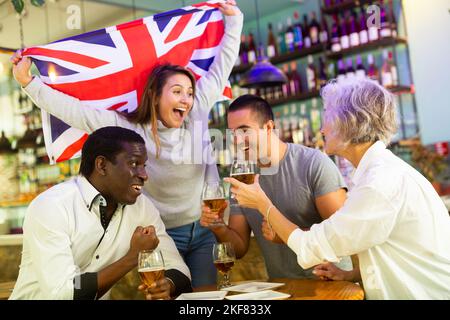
<point>64,237</point>
<point>396,223</point>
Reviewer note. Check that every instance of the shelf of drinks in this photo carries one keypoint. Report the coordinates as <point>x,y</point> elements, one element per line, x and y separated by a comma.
<point>344,5</point>
<point>285,57</point>
<point>297,97</point>
<point>380,43</point>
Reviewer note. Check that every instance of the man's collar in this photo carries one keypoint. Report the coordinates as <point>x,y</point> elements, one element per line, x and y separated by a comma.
<point>88,191</point>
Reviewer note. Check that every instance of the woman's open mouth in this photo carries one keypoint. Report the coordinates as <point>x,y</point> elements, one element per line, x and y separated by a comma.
<point>179,112</point>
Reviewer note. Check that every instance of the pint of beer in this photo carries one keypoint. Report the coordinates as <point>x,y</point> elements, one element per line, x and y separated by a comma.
<point>247,178</point>
<point>151,275</point>
<point>215,204</point>
<point>213,196</point>
<point>243,171</point>
<point>150,266</point>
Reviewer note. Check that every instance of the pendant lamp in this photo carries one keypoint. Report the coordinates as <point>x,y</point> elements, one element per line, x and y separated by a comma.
<point>262,74</point>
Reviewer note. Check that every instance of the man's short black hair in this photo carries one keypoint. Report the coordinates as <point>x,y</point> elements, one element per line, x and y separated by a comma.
<point>254,103</point>
<point>107,142</point>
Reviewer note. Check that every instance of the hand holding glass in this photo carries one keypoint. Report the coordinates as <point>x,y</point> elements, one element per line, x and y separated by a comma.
<point>214,197</point>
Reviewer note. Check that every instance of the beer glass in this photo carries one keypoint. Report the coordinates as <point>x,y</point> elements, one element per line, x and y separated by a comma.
<point>224,257</point>
<point>213,196</point>
<point>150,266</point>
<point>243,171</point>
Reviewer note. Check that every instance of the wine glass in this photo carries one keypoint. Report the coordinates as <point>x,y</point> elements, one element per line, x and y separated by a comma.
<point>150,266</point>
<point>224,257</point>
<point>213,196</point>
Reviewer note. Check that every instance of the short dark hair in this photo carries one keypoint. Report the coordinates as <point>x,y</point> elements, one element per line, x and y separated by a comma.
<point>107,142</point>
<point>254,103</point>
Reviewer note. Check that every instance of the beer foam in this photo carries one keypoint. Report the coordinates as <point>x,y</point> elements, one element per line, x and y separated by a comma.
<point>150,269</point>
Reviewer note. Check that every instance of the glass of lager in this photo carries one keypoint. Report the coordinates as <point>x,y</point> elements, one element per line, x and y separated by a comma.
<point>213,196</point>
<point>150,266</point>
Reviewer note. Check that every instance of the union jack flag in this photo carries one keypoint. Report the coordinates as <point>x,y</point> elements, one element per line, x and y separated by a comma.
<point>109,68</point>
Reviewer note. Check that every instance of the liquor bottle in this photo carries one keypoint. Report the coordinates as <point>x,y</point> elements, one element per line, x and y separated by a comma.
<point>386,72</point>
<point>385,24</point>
<point>286,87</point>
<point>280,38</point>
<point>353,30</point>
<point>272,49</point>
<point>323,35</point>
<point>335,35</point>
<point>372,71</point>
<point>287,133</point>
<point>350,71</point>
<point>243,50</point>
<point>389,76</point>
<point>322,73</point>
<point>345,40</point>
<point>251,49</point>
<point>305,29</point>
<point>298,36</point>
<point>295,81</point>
<point>289,36</point>
<point>311,75</point>
<point>393,20</point>
<point>373,32</point>
<point>360,70</point>
<point>331,71</point>
<point>363,33</point>
<point>341,72</point>
<point>314,29</point>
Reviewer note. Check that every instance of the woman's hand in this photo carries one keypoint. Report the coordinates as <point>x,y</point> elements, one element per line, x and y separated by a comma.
<point>229,8</point>
<point>249,195</point>
<point>21,68</point>
<point>328,271</point>
<point>269,234</point>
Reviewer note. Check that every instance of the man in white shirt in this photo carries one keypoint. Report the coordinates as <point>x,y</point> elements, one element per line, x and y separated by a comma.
<point>83,235</point>
<point>393,219</point>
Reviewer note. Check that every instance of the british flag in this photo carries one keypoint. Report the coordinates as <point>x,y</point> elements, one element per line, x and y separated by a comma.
<point>108,68</point>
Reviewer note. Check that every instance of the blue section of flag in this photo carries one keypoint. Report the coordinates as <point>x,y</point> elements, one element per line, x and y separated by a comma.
<point>58,127</point>
<point>163,19</point>
<point>100,37</point>
<point>45,66</point>
<point>205,16</point>
<point>203,63</point>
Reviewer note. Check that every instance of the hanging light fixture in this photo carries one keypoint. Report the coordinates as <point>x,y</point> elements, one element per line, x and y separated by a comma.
<point>263,73</point>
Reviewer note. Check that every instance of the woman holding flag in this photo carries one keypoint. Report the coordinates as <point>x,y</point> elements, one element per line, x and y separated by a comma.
<point>172,105</point>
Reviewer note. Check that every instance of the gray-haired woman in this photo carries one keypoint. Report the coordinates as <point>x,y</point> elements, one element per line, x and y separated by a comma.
<point>392,219</point>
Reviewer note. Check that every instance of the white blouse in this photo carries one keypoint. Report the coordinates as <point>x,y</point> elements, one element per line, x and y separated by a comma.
<point>396,223</point>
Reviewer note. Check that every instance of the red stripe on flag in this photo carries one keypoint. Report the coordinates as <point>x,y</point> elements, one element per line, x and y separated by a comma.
<point>179,28</point>
<point>228,93</point>
<point>130,24</point>
<point>117,105</point>
<point>201,4</point>
<point>80,59</point>
<point>72,149</point>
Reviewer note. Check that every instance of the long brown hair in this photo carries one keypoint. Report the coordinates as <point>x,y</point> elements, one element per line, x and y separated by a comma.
<point>147,109</point>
